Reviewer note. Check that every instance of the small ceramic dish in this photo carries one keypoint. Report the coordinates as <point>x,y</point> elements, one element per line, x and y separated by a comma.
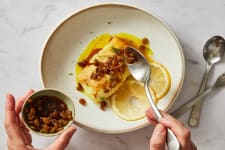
<point>48,112</point>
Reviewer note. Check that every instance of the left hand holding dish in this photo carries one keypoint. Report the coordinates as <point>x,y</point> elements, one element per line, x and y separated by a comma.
<point>19,137</point>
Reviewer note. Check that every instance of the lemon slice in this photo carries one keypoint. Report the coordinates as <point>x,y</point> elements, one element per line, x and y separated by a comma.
<point>160,80</point>
<point>130,105</point>
<point>130,102</point>
<point>137,88</point>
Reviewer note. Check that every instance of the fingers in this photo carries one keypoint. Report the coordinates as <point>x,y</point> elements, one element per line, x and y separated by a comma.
<point>63,140</point>
<point>21,100</point>
<point>11,118</point>
<point>182,133</point>
<point>158,138</point>
<point>12,121</point>
<point>151,116</point>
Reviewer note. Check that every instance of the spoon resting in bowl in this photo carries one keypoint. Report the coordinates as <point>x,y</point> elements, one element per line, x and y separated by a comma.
<point>141,71</point>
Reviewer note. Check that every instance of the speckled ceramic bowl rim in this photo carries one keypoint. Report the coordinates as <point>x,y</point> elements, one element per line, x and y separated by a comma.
<point>173,99</point>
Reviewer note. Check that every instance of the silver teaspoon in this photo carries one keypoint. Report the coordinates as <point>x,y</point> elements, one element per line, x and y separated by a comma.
<point>220,82</point>
<point>140,70</point>
<point>213,52</point>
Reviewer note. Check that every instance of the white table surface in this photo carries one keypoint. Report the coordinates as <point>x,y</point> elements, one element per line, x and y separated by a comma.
<point>25,25</point>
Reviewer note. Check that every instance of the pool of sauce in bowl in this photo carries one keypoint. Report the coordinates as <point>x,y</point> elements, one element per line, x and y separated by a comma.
<point>99,43</point>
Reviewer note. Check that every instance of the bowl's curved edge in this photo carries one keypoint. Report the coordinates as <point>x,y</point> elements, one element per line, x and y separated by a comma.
<point>123,5</point>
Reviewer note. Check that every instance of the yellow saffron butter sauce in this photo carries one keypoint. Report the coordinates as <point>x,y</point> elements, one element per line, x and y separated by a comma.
<point>102,40</point>
<point>129,101</point>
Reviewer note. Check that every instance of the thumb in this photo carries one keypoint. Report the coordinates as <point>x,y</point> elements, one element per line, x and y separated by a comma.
<point>158,139</point>
<point>63,140</point>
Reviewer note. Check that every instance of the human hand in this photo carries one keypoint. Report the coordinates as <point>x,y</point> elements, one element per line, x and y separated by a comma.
<point>158,139</point>
<point>19,137</point>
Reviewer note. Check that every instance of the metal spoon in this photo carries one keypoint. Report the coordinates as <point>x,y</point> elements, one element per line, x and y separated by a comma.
<point>213,52</point>
<point>220,82</point>
<point>140,70</point>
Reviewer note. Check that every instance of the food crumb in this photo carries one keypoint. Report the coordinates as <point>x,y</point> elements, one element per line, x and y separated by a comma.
<point>79,87</point>
<point>82,102</point>
<point>142,47</point>
<point>103,105</point>
<point>145,41</point>
<point>70,74</point>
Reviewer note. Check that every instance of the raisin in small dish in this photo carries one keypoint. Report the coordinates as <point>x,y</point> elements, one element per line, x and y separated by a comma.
<point>48,112</point>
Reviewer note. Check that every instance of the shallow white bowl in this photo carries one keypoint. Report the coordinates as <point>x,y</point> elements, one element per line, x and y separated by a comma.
<point>71,37</point>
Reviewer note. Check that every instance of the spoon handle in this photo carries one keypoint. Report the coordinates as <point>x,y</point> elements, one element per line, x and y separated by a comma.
<point>185,107</point>
<point>151,101</point>
<point>196,109</point>
<point>172,142</point>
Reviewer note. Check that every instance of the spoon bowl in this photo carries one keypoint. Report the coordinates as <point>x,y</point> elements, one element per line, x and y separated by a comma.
<point>141,70</point>
<point>214,49</point>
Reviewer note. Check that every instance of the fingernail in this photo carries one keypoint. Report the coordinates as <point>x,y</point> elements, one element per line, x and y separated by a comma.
<point>165,122</point>
<point>30,91</point>
<point>73,128</point>
<point>9,104</point>
<point>162,119</point>
<point>7,101</point>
